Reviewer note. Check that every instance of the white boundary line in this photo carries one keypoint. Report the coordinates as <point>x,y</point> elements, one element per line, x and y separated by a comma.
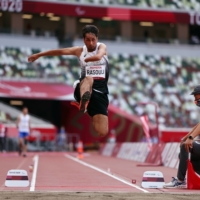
<point>104,172</point>
<point>33,181</point>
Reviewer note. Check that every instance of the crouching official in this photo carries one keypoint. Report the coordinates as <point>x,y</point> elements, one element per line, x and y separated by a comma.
<point>188,145</point>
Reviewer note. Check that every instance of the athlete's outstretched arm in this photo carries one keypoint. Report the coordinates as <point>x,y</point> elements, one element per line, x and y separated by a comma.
<point>76,51</point>
<point>100,53</point>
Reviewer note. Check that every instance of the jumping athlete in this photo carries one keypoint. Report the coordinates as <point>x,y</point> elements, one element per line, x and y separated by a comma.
<point>91,90</point>
<point>23,125</point>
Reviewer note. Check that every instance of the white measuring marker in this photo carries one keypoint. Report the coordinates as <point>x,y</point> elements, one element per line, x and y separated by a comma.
<point>17,178</point>
<point>153,179</point>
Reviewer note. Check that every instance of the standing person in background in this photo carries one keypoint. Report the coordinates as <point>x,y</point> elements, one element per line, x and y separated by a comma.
<point>2,137</point>
<point>23,125</point>
<point>62,138</point>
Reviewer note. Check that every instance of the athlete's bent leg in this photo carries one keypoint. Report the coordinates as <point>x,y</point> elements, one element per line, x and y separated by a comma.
<point>100,124</point>
<point>86,85</point>
<point>85,92</point>
<point>25,146</point>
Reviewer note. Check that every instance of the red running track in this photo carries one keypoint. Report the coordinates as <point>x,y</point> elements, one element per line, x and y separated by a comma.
<point>95,173</point>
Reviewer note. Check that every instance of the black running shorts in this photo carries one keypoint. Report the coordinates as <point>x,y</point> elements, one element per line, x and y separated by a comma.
<point>98,102</point>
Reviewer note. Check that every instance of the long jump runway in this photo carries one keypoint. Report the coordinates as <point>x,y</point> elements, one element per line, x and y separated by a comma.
<point>63,176</point>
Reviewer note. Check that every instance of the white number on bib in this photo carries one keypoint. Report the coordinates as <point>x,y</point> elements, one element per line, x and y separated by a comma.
<point>97,72</point>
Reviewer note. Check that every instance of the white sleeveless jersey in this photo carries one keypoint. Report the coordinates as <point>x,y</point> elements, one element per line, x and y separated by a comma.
<point>24,123</point>
<point>95,69</point>
<point>99,70</point>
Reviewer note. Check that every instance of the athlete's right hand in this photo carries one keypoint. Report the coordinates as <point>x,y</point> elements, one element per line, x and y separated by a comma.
<point>182,141</point>
<point>33,57</point>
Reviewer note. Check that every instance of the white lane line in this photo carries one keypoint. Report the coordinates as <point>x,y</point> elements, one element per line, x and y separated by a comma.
<point>104,172</point>
<point>33,181</point>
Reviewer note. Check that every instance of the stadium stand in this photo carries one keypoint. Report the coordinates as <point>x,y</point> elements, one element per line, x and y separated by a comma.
<point>13,65</point>
<point>166,80</point>
<point>165,4</point>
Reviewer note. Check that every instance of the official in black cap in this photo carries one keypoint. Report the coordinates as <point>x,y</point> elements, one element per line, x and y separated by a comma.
<point>196,93</point>
<point>188,144</point>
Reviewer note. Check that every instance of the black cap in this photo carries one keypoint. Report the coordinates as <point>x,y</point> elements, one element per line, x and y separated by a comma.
<point>196,90</point>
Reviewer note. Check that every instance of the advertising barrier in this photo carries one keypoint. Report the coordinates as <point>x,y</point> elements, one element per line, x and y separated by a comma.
<point>139,151</point>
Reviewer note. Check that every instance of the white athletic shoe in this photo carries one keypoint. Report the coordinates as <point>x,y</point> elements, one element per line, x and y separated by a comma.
<point>175,183</point>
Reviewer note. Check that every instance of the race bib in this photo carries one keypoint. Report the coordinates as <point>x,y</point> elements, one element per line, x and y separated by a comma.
<point>97,72</point>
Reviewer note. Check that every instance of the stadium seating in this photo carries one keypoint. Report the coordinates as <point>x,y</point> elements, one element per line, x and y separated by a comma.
<point>167,80</point>
<point>167,4</point>
<point>13,64</point>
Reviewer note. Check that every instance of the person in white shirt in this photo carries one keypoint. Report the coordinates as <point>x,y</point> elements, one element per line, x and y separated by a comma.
<point>91,90</point>
<point>23,125</point>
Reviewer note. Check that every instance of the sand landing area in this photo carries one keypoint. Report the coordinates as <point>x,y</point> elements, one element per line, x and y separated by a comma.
<point>94,195</point>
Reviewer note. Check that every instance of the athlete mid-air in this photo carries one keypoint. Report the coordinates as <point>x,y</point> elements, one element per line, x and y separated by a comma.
<point>91,90</point>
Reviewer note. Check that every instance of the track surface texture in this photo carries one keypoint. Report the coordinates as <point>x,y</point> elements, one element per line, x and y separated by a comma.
<point>63,176</point>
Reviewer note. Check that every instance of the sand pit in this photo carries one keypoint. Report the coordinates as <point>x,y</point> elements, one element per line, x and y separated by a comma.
<point>93,195</point>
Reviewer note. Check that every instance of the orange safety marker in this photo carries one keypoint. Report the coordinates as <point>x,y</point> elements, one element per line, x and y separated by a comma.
<point>80,150</point>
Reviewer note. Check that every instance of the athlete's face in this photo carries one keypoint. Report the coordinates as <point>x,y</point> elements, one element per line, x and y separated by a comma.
<point>25,111</point>
<point>90,41</point>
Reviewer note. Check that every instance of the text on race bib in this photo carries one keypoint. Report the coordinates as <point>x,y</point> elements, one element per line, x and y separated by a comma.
<point>97,72</point>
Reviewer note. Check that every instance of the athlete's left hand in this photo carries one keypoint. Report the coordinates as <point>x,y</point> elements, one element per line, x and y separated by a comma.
<point>188,145</point>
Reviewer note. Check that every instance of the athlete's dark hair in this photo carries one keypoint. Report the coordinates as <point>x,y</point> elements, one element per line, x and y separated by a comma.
<point>90,29</point>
